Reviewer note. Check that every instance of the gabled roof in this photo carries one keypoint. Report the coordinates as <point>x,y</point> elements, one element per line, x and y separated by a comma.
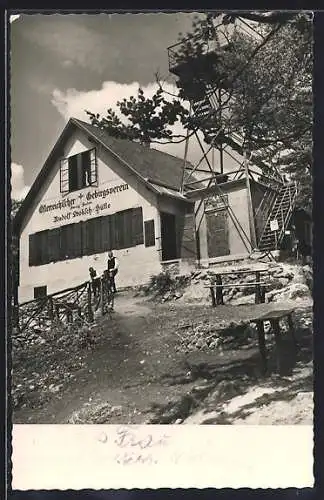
<point>150,163</point>
<point>154,168</point>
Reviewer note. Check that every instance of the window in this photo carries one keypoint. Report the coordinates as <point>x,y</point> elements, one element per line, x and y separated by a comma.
<point>127,229</point>
<point>38,248</point>
<point>40,291</point>
<point>98,235</point>
<point>124,229</point>
<point>149,233</point>
<point>78,171</point>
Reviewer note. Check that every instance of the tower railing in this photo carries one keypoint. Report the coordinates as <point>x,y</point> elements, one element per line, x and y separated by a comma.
<point>180,52</point>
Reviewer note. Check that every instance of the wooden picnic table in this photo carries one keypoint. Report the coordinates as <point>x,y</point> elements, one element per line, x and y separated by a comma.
<point>244,271</point>
<point>216,289</point>
<point>274,317</point>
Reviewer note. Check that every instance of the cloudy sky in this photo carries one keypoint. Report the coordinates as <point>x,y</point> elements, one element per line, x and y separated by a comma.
<point>63,64</point>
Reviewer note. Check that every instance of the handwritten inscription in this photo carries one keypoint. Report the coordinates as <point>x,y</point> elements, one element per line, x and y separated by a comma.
<point>131,458</point>
<point>128,438</point>
<point>136,447</point>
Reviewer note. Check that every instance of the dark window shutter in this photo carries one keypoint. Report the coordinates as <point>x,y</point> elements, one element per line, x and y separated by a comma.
<point>85,167</point>
<point>119,230</point>
<point>137,227</point>
<point>91,235</point>
<point>128,228</point>
<point>149,230</point>
<point>33,260</point>
<point>93,167</point>
<point>88,237</point>
<point>38,248</point>
<point>97,234</point>
<point>64,176</point>
<point>77,240</point>
<point>63,242</point>
<point>84,231</point>
<point>73,173</point>
<point>106,233</point>
<point>70,250</point>
<point>44,249</point>
<point>80,172</point>
<point>113,242</point>
<point>54,245</point>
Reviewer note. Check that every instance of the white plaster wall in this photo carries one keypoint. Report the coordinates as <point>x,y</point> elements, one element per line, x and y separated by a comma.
<point>238,201</point>
<point>137,264</point>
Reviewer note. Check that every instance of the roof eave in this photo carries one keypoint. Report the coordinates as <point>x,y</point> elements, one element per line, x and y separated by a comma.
<point>19,217</point>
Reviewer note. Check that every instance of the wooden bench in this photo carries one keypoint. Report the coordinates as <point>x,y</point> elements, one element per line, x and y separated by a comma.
<point>216,289</point>
<point>274,317</point>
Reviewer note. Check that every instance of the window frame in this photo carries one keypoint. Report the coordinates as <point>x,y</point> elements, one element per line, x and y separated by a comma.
<point>42,296</point>
<point>65,172</point>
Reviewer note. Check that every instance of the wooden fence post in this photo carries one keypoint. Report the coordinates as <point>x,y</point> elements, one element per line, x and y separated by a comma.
<point>292,331</point>
<point>15,316</point>
<point>276,330</point>
<point>57,311</point>
<point>257,288</point>
<point>262,345</point>
<point>90,312</point>
<point>102,297</point>
<point>50,308</point>
<point>212,294</point>
<point>69,316</point>
<point>219,290</point>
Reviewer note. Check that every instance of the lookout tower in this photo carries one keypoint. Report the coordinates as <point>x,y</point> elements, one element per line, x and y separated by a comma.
<point>199,63</point>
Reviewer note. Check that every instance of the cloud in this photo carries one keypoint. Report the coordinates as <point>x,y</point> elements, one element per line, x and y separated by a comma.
<point>73,103</point>
<point>19,189</point>
<point>13,18</point>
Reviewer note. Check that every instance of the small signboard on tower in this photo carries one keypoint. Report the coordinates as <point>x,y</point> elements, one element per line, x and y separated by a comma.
<point>274,226</point>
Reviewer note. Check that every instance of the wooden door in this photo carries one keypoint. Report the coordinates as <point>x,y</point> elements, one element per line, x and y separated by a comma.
<point>188,244</point>
<point>217,233</point>
<point>168,236</point>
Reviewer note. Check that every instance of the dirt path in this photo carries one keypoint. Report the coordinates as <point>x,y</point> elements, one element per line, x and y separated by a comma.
<point>123,373</point>
<point>130,354</point>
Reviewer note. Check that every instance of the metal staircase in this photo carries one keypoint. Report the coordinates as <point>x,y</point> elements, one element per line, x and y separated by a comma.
<point>281,212</point>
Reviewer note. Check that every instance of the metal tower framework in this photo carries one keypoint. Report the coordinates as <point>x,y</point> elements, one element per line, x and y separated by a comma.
<point>207,91</point>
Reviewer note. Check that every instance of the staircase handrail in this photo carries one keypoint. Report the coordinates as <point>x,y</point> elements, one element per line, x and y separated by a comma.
<point>291,206</point>
<point>269,197</point>
<point>269,218</point>
<point>285,220</point>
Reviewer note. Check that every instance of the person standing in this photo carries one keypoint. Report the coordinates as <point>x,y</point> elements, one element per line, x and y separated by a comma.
<point>112,267</point>
<point>95,281</point>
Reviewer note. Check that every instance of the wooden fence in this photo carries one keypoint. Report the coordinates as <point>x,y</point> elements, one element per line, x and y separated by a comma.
<point>77,304</point>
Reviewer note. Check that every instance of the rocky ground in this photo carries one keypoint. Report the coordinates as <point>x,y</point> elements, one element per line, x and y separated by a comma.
<point>169,360</point>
